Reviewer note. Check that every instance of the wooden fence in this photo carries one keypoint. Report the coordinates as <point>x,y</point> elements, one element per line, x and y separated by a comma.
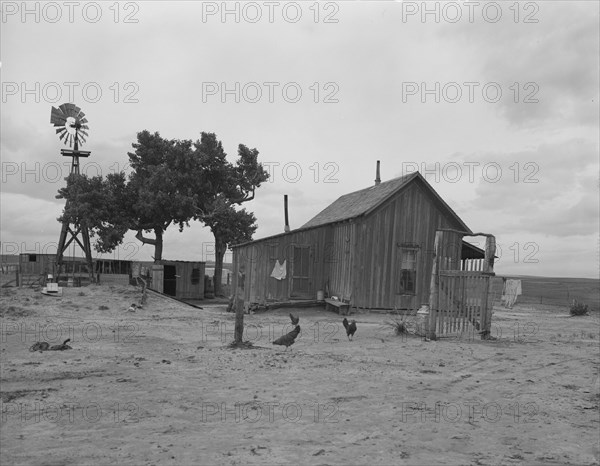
<point>460,290</point>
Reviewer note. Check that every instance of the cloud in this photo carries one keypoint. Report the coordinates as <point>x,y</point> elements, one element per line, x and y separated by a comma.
<point>546,190</point>
<point>558,56</point>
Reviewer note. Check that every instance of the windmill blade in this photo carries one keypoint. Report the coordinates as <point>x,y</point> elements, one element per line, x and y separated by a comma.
<point>57,117</point>
<point>67,108</point>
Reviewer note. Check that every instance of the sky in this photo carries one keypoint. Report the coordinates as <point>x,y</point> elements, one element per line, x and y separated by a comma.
<point>495,103</point>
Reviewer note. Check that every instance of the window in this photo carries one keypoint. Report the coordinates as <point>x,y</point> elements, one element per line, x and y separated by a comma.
<point>32,257</point>
<point>408,270</point>
<point>195,276</point>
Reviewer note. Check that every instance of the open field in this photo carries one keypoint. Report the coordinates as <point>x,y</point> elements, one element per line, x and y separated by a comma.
<point>553,290</point>
<point>159,385</point>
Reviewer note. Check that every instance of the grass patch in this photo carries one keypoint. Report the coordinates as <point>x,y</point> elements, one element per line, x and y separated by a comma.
<point>579,309</point>
<point>402,326</point>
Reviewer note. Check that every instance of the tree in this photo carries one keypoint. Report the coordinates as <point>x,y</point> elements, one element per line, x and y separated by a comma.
<point>172,182</point>
<point>159,187</point>
<point>229,226</point>
<point>98,203</point>
<point>218,187</point>
<point>156,194</point>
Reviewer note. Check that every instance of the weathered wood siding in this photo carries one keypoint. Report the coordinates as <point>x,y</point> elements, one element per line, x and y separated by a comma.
<point>254,263</point>
<point>357,259</point>
<point>409,218</point>
<point>187,287</point>
<point>338,265</point>
<point>184,287</point>
<point>34,268</point>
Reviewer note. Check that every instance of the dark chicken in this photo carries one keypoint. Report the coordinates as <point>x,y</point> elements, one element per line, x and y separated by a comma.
<point>288,339</point>
<point>350,328</point>
<point>295,319</point>
<point>44,346</point>
<point>62,347</point>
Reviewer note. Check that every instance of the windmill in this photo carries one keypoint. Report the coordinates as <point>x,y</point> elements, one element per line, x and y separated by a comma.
<point>71,126</point>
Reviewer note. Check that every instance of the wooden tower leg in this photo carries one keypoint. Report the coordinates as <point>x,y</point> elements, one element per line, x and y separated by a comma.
<point>85,234</point>
<point>61,248</point>
<point>63,244</point>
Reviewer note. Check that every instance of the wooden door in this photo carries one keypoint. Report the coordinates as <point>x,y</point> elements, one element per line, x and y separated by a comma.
<point>301,273</point>
<point>170,280</point>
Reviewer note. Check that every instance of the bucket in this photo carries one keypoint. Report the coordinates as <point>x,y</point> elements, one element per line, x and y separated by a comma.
<point>320,295</point>
<point>423,320</point>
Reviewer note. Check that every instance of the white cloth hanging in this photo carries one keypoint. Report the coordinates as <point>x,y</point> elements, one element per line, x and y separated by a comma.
<point>512,289</point>
<point>279,271</point>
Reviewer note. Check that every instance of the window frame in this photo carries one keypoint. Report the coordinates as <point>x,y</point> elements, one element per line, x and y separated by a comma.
<point>406,282</point>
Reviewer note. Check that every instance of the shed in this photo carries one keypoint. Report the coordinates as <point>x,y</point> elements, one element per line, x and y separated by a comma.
<point>34,268</point>
<point>180,279</point>
<point>373,248</point>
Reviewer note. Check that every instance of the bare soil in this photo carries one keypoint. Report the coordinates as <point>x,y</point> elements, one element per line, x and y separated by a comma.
<point>160,385</point>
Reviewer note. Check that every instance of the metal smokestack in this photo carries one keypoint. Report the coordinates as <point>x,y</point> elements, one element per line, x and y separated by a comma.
<point>377,177</point>
<point>285,210</point>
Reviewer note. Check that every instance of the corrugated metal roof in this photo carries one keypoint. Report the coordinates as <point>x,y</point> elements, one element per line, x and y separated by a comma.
<point>359,202</point>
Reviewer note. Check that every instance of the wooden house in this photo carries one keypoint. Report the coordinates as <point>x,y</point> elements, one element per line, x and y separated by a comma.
<point>372,248</point>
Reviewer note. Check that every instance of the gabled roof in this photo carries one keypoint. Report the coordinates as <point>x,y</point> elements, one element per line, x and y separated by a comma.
<point>359,202</point>
<point>366,200</point>
<point>363,202</point>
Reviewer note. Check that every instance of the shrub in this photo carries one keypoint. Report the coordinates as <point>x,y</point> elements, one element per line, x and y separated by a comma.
<point>579,309</point>
<point>400,326</point>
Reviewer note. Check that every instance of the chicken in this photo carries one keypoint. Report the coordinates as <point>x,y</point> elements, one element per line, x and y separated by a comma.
<point>43,346</point>
<point>288,339</point>
<point>350,328</point>
<point>40,346</point>
<point>62,347</point>
<point>295,319</point>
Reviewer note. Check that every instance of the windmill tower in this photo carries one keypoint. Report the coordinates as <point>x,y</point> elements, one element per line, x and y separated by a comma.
<point>71,126</point>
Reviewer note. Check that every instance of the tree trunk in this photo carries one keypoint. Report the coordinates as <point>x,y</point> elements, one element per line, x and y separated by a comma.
<point>158,246</point>
<point>220,249</point>
<point>157,243</point>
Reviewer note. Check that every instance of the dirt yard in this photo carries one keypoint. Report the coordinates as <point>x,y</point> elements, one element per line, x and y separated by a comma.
<point>159,385</point>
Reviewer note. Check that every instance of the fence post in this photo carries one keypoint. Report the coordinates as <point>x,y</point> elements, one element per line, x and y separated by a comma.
<point>433,287</point>
<point>488,268</point>
<point>490,252</point>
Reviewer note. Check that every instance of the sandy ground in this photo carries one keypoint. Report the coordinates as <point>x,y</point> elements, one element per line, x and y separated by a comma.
<point>160,386</point>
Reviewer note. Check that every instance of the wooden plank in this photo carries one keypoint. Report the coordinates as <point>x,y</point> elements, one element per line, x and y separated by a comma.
<point>157,272</point>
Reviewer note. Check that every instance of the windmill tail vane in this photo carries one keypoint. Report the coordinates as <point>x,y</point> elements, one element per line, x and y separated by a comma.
<point>70,123</point>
